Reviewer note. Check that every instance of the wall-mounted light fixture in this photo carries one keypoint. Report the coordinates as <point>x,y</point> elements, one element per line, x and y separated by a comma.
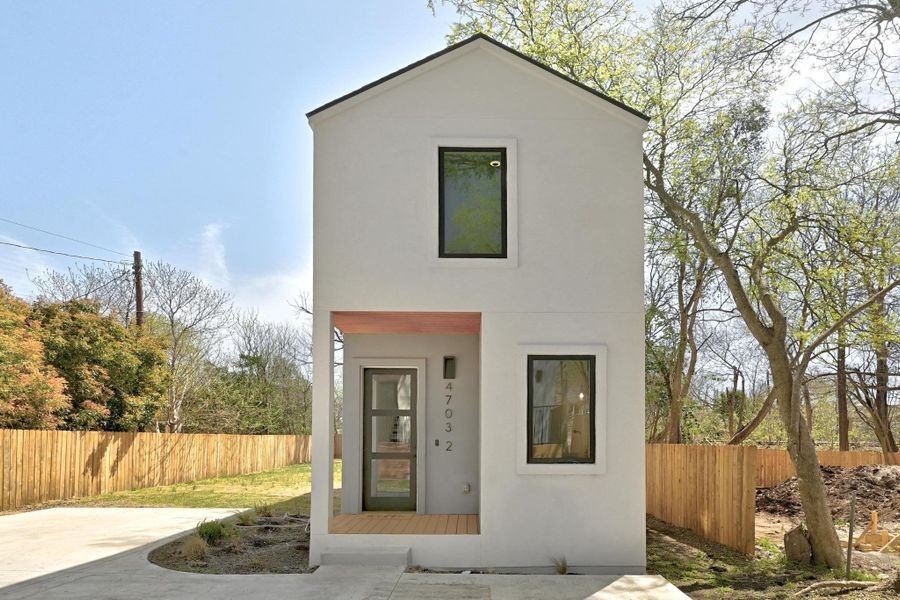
<point>449,367</point>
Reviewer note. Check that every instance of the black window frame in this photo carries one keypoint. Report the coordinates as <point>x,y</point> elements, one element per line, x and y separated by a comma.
<point>592,445</point>
<point>504,250</point>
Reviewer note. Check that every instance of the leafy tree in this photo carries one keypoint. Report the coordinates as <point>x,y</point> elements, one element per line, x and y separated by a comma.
<point>760,220</point>
<point>191,315</point>
<point>114,377</point>
<point>31,390</point>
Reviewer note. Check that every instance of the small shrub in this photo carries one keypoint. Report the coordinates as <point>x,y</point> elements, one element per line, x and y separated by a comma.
<point>562,566</point>
<point>248,517</point>
<point>193,547</point>
<point>212,532</point>
<point>235,546</point>
<point>263,510</point>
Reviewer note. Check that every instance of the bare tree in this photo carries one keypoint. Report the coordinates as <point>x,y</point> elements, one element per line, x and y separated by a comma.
<point>876,396</point>
<point>111,286</point>
<point>192,315</point>
<point>854,43</point>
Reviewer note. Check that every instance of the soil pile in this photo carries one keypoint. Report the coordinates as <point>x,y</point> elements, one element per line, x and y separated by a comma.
<point>877,487</point>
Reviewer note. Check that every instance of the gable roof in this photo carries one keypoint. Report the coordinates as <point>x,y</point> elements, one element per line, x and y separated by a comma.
<point>456,46</point>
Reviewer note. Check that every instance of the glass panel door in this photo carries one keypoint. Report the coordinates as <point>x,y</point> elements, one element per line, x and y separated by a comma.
<point>389,439</point>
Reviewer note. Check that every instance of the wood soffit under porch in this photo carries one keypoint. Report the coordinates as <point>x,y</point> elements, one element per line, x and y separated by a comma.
<point>404,523</point>
<point>407,322</point>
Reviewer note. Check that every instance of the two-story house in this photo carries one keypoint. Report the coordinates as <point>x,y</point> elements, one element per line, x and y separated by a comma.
<point>478,244</point>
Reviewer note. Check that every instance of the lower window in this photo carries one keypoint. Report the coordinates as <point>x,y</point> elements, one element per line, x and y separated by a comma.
<point>561,404</point>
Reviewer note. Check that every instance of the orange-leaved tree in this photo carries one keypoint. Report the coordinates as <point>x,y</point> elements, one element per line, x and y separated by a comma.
<point>31,390</point>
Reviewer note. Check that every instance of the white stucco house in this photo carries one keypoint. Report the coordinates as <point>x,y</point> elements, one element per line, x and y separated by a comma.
<point>478,242</point>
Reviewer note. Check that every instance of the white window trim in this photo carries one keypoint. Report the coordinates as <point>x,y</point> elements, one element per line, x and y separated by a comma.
<point>512,196</point>
<point>599,465</point>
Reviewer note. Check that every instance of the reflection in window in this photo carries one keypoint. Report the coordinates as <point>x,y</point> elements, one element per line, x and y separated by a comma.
<point>472,202</point>
<point>390,478</point>
<point>391,391</point>
<point>560,409</point>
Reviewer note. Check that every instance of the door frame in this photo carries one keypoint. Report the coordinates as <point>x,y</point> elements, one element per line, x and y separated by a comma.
<point>420,365</point>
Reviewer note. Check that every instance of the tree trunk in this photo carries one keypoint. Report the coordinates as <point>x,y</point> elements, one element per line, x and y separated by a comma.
<point>882,380</point>
<point>745,431</point>
<point>807,404</point>
<point>841,391</point>
<point>671,433</point>
<point>802,450</point>
<point>732,400</point>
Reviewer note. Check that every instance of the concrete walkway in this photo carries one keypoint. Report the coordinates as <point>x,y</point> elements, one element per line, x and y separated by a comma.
<point>101,553</point>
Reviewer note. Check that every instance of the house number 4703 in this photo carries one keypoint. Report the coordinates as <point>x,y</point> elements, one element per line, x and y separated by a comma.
<point>448,414</point>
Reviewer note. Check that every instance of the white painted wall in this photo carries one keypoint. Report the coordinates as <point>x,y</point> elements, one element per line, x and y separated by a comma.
<point>445,472</point>
<point>578,280</point>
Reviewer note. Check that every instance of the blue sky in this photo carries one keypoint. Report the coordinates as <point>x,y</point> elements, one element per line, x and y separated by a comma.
<point>177,128</point>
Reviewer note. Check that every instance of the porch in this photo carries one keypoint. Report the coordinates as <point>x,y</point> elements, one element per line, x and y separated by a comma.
<point>410,420</point>
<point>404,523</point>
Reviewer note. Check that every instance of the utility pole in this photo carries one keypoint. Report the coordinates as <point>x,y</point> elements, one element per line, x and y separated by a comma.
<point>138,288</point>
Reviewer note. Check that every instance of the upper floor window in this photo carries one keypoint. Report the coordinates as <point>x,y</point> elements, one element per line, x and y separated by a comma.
<point>472,210</point>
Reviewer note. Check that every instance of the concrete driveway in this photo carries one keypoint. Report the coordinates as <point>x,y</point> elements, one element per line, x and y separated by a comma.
<point>42,542</point>
<point>101,553</point>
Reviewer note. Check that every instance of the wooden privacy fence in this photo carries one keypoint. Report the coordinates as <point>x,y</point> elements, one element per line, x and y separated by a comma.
<point>38,465</point>
<point>708,489</point>
<point>711,490</point>
<point>774,466</point>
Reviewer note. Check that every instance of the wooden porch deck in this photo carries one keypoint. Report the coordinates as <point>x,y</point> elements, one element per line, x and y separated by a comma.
<point>405,523</point>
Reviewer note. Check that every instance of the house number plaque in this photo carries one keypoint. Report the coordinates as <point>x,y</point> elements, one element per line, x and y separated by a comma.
<point>448,414</point>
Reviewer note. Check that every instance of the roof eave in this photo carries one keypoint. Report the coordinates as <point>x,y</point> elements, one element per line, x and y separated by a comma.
<point>478,36</point>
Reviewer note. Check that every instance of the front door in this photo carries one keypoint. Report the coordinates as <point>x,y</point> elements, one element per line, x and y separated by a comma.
<point>389,439</point>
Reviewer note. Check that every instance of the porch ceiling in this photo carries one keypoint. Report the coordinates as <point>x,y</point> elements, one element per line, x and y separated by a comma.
<point>407,322</point>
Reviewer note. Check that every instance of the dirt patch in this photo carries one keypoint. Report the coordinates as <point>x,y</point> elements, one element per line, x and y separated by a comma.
<point>705,570</point>
<point>271,544</point>
<point>773,527</point>
<point>877,487</point>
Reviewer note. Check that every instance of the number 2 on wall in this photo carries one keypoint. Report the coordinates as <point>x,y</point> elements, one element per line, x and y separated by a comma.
<point>449,447</point>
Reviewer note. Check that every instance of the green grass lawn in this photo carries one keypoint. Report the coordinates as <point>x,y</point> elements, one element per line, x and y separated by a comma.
<point>286,490</point>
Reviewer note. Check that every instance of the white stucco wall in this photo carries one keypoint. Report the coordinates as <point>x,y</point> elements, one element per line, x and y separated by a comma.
<point>577,281</point>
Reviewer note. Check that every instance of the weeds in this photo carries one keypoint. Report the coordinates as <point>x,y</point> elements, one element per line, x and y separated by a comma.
<point>263,510</point>
<point>562,566</point>
<point>193,547</point>
<point>248,517</point>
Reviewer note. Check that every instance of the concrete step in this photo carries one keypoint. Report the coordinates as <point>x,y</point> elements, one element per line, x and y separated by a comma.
<point>389,556</point>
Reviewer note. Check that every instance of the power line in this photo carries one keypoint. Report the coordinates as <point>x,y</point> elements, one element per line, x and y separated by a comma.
<point>59,235</point>
<point>106,260</point>
<point>105,284</point>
